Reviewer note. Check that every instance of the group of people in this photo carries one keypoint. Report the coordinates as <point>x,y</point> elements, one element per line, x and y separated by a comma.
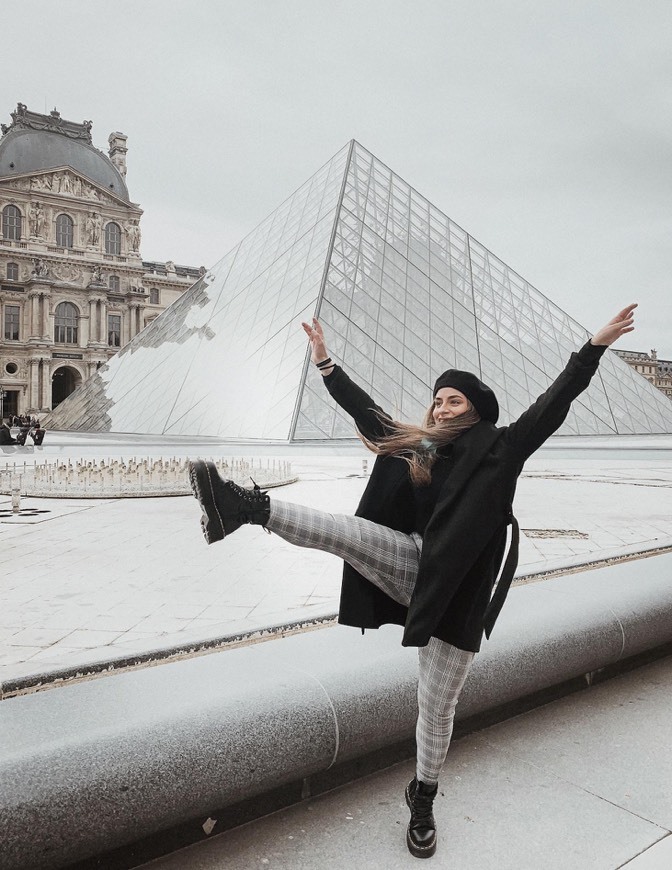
<point>426,545</point>
<point>27,426</point>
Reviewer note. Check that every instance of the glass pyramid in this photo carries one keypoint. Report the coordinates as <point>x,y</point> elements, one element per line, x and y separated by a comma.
<point>403,293</point>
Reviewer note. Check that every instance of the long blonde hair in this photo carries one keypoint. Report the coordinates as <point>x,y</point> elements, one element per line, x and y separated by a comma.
<point>418,445</point>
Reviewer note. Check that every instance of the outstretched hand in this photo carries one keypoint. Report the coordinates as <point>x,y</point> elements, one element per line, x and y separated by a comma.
<point>318,349</point>
<point>617,326</point>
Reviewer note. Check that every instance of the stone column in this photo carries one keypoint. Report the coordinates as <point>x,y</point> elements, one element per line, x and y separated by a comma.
<point>34,296</point>
<point>39,293</point>
<point>46,385</point>
<point>129,333</point>
<point>103,321</point>
<point>33,384</point>
<point>133,320</point>
<point>93,304</point>
<point>124,338</point>
<point>45,298</point>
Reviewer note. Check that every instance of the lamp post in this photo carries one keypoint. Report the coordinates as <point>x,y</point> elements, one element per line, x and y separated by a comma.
<point>2,404</point>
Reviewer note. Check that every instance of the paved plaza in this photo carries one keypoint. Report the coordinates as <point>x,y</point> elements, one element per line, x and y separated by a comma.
<point>573,785</point>
<point>102,579</point>
<point>578,784</point>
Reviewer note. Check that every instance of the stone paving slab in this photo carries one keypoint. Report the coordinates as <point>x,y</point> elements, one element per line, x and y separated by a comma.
<point>574,785</point>
<point>102,579</point>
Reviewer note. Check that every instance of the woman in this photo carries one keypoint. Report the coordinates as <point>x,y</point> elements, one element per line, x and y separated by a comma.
<point>427,541</point>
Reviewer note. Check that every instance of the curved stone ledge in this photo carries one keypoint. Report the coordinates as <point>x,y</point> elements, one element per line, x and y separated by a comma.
<point>89,767</point>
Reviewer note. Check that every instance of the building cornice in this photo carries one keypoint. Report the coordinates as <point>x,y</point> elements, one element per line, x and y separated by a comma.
<point>24,119</point>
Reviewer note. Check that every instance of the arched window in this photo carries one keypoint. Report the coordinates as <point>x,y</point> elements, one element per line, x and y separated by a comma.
<point>114,282</point>
<point>66,320</point>
<point>64,231</point>
<point>112,238</point>
<point>12,271</point>
<point>154,297</point>
<point>11,223</point>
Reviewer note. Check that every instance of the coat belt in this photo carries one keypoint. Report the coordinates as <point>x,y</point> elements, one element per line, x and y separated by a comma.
<point>506,578</point>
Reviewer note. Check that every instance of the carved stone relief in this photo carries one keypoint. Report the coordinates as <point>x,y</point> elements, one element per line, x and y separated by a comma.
<point>37,182</point>
<point>97,275</point>
<point>40,268</point>
<point>64,184</point>
<point>67,272</point>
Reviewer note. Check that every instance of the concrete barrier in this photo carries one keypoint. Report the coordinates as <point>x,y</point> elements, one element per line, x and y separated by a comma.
<point>89,767</point>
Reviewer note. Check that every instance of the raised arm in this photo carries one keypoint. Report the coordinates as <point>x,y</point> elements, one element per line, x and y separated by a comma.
<point>550,410</point>
<point>369,417</point>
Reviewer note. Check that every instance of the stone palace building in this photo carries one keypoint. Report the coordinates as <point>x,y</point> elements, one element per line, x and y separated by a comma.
<point>657,371</point>
<point>73,285</point>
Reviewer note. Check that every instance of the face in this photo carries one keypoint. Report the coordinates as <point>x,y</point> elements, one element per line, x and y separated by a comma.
<point>448,403</point>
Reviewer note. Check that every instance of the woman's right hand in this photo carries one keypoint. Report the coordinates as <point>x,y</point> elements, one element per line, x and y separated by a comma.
<point>318,349</point>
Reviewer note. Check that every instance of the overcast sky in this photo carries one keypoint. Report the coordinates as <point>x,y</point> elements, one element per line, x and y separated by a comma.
<point>543,128</point>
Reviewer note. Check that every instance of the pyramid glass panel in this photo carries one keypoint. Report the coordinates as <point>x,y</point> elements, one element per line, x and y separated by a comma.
<point>402,292</point>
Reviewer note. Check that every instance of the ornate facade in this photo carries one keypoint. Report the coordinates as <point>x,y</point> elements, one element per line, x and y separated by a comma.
<point>657,371</point>
<point>74,288</point>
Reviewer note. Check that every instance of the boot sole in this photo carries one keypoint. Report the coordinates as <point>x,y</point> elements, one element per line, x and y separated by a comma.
<point>200,480</point>
<point>413,848</point>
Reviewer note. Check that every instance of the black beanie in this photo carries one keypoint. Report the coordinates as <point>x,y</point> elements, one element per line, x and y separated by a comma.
<point>480,396</point>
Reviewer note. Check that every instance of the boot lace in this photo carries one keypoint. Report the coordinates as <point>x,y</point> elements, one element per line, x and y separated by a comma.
<point>422,808</point>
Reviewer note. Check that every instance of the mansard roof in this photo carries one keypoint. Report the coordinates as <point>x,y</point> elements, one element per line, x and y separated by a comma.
<point>35,142</point>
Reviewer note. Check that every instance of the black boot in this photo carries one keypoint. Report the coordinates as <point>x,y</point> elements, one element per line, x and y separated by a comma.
<point>421,833</point>
<point>225,505</point>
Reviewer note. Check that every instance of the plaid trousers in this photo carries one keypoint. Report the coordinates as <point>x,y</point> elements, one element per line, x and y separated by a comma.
<point>390,560</point>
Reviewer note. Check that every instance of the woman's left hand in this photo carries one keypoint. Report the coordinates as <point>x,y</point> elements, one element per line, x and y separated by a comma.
<point>617,326</point>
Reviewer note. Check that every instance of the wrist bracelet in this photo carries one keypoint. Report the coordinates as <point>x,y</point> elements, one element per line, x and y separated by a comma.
<point>325,364</point>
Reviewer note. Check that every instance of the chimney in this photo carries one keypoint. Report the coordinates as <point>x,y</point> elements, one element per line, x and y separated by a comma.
<point>118,151</point>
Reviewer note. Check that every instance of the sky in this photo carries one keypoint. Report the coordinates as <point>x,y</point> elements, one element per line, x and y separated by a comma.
<point>542,128</point>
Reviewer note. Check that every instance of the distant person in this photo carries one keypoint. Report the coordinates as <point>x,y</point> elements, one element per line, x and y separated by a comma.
<point>37,434</point>
<point>23,434</point>
<point>429,537</point>
<point>6,434</point>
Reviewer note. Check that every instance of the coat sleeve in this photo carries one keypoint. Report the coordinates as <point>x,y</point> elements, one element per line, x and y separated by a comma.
<point>550,410</point>
<point>369,418</point>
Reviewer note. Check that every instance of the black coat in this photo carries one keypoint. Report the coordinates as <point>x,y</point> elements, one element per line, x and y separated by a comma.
<point>465,538</point>
<point>6,435</point>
